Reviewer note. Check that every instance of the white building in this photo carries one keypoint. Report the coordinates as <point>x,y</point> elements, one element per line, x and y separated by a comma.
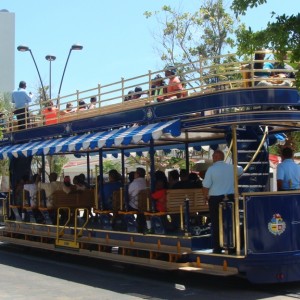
<point>7,51</point>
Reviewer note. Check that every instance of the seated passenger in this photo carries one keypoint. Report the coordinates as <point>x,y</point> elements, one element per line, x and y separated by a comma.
<point>139,93</point>
<point>160,193</point>
<point>69,108</point>
<point>78,184</point>
<point>174,88</point>
<point>259,64</point>
<point>82,105</point>
<point>275,80</point>
<point>93,103</point>
<point>114,184</point>
<point>129,96</point>
<point>67,187</point>
<point>50,187</point>
<point>50,114</point>
<point>32,189</point>
<point>158,88</point>
<point>82,180</point>
<point>173,178</point>
<point>185,182</point>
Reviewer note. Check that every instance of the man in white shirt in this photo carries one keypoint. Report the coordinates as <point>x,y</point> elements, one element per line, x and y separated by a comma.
<point>138,184</point>
<point>50,188</point>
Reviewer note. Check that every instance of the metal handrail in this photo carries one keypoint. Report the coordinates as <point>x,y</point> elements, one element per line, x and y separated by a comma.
<point>204,79</point>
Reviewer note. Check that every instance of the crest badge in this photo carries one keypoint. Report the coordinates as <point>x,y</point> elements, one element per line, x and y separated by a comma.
<point>277,226</point>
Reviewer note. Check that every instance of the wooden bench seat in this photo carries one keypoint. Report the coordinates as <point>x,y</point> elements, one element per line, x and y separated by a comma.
<point>75,199</point>
<point>176,198</point>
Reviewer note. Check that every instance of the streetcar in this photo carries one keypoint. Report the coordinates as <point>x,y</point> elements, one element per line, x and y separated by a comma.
<point>222,106</point>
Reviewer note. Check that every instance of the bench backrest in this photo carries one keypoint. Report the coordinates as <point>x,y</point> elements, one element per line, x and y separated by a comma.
<point>75,199</point>
<point>176,197</point>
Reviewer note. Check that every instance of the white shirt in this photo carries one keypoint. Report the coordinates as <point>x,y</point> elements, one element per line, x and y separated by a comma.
<point>137,185</point>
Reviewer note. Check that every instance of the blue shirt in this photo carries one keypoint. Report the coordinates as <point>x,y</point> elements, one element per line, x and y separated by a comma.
<point>289,172</point>
<point>219,178</point>
<point>20,98</point>
<point>108,190</point>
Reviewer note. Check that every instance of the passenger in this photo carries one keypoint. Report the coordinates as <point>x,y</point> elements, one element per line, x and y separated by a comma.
<point>217,184</point>
<point>288,70</point>
<point>139,93</point>
<point>82,180</point>
<point>129,96</point>
<point>114,184</point>
<point>259,64</point>
<point>67,186</point>
<point>195,180</point>
<point>82,105</point>
<point>50,114</point>
<point>158,89</point>
<point>69,108</point>
<point>93,103</point>
<point>21,100</point>
<point>131,176</point>
<point>50,187</point>
<point>288,172</point>
<point>138,184</point>
<point>78,184</point>
<point>160,193</point>
<point>18,192</point>
<point>174,88</point>
<point>184,182</point>
<point>32,189</point>
<point>173,178</point>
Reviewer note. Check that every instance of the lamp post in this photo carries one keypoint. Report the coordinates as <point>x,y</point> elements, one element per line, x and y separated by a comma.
<point>74,47</point>
<point>23,48</point>
<point>50,58</point>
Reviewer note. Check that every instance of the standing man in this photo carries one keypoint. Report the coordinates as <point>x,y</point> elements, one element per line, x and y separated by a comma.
<point>21,99</point>
<point>217,184</point>
<point>288,172</point>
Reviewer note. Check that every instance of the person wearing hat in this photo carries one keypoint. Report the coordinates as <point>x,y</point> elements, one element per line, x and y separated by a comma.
<point>21,99</point>
<point>158,88</point>
<point>174,88</point>
<point>139,94</point>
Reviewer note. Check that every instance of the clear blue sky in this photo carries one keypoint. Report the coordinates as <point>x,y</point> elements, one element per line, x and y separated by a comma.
<point>116,37</point>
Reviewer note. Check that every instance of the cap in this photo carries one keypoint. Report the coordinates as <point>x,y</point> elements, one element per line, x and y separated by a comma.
<point>138,89</point>
<point>171,69</point>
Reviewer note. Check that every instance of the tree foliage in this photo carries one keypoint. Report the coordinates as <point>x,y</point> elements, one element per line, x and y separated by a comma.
<point>184,37</point>
<point>281,35</point>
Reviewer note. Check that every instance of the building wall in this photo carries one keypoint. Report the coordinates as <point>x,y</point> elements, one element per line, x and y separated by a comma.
<point>7,51</point>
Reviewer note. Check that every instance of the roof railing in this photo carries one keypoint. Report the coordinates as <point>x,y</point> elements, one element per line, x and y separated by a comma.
<point>206,75</point>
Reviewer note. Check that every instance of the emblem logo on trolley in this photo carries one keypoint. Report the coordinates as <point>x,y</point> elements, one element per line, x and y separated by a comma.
<point>277,226</point>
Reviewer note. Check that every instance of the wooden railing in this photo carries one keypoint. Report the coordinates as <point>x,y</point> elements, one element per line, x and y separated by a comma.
<point>201,77</point>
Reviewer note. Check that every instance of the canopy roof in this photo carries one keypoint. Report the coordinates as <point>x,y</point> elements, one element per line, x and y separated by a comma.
<point>136,135</point>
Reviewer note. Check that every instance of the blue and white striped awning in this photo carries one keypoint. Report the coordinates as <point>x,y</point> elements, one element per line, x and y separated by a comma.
<point>112,138</point>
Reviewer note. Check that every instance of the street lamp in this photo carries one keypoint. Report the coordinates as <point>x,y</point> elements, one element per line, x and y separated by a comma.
<point>50,58</point>
<point>23,48</point>
<point>74,47</point>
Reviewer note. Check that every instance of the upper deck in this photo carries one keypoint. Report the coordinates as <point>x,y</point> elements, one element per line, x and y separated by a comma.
<point>216,96</point>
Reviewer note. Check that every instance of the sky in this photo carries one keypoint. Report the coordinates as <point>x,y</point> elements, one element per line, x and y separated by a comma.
<point>116,37</point>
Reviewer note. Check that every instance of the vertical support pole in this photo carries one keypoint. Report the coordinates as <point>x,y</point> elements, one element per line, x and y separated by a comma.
<point>101,183</point>
<point>187,215</point>
<point>236,192</point>
<point>43,167</point>
<point>88,168</point>
<point>152,171</point>
<point>187,157</point>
